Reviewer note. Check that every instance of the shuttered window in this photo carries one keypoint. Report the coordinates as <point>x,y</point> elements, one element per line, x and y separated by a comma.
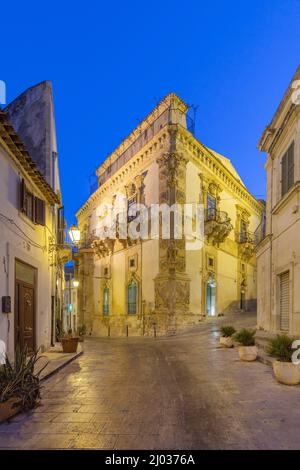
<point>61,226</point>
<point>287,170</point>
<point>284,303</point>
<point>39,211</point>
<point>31,206</point>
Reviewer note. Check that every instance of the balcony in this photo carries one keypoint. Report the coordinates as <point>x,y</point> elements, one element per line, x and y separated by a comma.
<point>217,226</point>
<point>246,244</point>
<point>260,232</point>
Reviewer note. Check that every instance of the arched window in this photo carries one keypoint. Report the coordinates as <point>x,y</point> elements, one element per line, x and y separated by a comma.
<point>106,301</point>
<point>132,297</point>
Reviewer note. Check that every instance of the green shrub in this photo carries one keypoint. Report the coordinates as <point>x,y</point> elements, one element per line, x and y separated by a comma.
<point>245,337</point>
<point>82,330</point>
<point>281,348</point>
<point>18,378</point>
<point>227,331</point>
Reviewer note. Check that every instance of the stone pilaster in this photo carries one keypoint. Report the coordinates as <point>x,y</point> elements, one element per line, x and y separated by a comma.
<point>172,284</point>
<point>85,275</point>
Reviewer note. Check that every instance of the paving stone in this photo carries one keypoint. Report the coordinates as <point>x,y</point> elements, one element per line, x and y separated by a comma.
<point>168,393</point>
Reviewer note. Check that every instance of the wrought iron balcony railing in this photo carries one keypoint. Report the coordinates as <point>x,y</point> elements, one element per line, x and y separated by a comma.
<point>260,232</point>
<point>246,237</point>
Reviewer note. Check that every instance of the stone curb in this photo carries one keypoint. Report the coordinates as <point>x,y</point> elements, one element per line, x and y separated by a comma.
<point>264,360</point>
<point>61,366</point>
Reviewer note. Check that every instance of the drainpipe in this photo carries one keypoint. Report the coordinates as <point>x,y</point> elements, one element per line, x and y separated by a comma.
<point>7,266</point>
<point>271,244</point>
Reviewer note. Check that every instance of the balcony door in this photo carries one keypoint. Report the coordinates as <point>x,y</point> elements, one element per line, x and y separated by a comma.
<point>211,298</point>
<point>211,207</point>
<point>25,277</point>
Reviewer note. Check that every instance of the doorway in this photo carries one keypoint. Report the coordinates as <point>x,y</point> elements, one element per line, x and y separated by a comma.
<point>242,303</point>
<point>243,296</point>
<point>211,298</point>
<point>25,280</point>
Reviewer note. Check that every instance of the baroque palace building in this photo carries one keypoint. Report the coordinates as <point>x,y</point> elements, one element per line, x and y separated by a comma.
<point>158,286</point>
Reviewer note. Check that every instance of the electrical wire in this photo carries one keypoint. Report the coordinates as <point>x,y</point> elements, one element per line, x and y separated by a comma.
<point>27,238</point>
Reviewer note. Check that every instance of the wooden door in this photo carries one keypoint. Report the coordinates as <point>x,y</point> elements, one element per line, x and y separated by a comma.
<point>25,306</point>
<point>25,315</point>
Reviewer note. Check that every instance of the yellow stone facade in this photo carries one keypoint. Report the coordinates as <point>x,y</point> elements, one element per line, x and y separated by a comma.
<point>162,162</point>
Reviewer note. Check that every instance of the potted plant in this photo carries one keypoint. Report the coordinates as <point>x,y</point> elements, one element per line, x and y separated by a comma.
<point>81,332</point>
<point>285,370</point>
<point>247,350</point>
<point>226,336</point>
<point>19,383</point>
<point>69,342</point>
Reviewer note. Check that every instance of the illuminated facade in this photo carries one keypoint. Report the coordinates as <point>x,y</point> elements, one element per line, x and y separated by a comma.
<point>158,286</point>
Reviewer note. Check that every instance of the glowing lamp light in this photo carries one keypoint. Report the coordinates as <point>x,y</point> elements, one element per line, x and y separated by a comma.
<point>75,283</point>
<point>74,233</point>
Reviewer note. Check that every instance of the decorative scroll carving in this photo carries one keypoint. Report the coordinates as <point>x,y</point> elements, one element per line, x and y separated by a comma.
<point>217,227</point>
<point>172,167</point>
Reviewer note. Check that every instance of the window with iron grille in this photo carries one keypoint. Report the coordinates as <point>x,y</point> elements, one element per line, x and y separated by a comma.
<point>106,301</point>
<point>287,170</point>
<point>132,298</point>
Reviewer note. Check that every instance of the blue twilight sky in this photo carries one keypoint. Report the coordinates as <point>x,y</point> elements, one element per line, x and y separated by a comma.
<point>110,62</point>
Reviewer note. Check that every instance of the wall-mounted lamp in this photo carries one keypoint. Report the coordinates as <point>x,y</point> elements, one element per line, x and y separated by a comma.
<point>74,233</point>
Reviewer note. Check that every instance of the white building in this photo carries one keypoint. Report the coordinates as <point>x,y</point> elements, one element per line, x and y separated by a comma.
<point>31,226</point>
<point>278,254</point>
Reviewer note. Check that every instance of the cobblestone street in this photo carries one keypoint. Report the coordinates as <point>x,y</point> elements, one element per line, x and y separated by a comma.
<point>182,392</point>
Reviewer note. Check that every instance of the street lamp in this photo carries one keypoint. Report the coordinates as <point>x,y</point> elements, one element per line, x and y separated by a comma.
<point>75,283</point>
<point>74,233</point>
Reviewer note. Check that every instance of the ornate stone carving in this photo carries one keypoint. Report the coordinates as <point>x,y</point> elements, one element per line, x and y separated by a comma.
<point>172,294</point>
<point>104,247</point>
<point>172,167</point>
<point>246,250</point>
<point>217,227</point>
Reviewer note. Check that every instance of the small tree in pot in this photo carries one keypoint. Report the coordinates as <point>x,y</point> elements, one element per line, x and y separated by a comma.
<point>69,342</point>
<point>248,350</point>
<point>81,332</point>
<point>285,370</point>
<point>226,336</point>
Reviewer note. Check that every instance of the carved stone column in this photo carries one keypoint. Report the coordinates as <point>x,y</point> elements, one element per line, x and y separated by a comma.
<point>172,284</point>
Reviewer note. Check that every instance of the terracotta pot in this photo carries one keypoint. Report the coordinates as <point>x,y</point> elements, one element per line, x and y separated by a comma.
<point>10,408</point>
<point>69,345</point>
<point>226,341</point>
<point>248,353</point>
<point>286,372</point>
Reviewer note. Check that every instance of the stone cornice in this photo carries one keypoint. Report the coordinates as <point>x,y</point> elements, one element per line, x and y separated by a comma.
<point>203,155</point>
<point>199,153</point>
<point>140,160</point>
<point>169,101</point>
<point>286,198</point>
<point>271,131</point>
